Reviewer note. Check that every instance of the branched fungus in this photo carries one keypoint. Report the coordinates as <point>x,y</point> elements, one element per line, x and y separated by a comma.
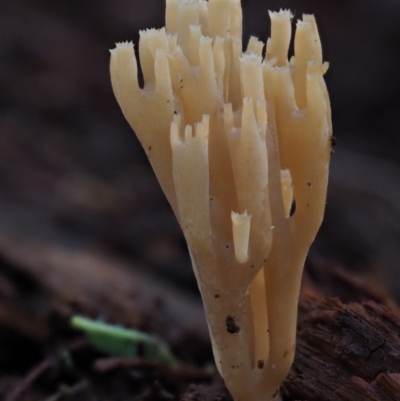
<point>241,146</point>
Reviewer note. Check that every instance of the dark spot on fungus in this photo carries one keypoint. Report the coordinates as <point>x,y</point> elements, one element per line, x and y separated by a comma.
<point>308,205</point>
<point>292,208</point>
<point>252,265</point>
<point>216,296</point>
<point>265,260</point>
<point>175,112</point>
<point>149,147</point>
<point>227,246</point>
<point>211,199</point>
<point>260,364</point>
<point>309,183</point>
<point>231,326</point>
<point>333,141</point>
<point>168,101</point>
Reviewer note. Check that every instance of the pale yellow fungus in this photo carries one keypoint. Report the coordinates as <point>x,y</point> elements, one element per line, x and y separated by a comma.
<point>240,143</point>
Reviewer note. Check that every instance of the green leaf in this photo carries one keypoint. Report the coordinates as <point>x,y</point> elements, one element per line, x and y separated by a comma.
<point>120,342</point>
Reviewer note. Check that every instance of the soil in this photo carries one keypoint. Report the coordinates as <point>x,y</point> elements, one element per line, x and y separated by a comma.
<point>85,228</point>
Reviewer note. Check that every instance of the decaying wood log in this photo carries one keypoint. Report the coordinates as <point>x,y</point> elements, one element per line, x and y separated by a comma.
<point>346,351</point>
<point>42,279</point>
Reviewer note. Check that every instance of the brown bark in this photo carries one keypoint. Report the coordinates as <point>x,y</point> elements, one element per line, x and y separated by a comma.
<point>345,352</point>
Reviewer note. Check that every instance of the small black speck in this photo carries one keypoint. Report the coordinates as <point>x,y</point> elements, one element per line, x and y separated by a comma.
<point>168,101</point>
<point>181,87</point>
<point>252,265</point>
<point>216,296</point>
<point>211,199</point>
<point>149,147</point>
<point>231,326</point>
<point>227,247</point>
<point>175,112</point>
<point>333,141</point>
<point>292,208</point>
<point>260,364</point>
<point>309,183</point>
<point>308,205</point>
<point>181,80</point>
<point>267,330</point>
<point>265,260</point>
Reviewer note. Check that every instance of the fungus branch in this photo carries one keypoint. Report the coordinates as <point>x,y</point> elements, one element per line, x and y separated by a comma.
<point>241,147</point>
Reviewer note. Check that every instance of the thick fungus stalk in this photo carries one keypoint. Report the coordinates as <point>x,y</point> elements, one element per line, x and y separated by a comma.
<point>241,146</point>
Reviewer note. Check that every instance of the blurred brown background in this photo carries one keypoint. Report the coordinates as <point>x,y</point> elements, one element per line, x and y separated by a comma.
<point>73,173</point>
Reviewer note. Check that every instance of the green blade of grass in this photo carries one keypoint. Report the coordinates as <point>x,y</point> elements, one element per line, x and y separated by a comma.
<point>122,342</point>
